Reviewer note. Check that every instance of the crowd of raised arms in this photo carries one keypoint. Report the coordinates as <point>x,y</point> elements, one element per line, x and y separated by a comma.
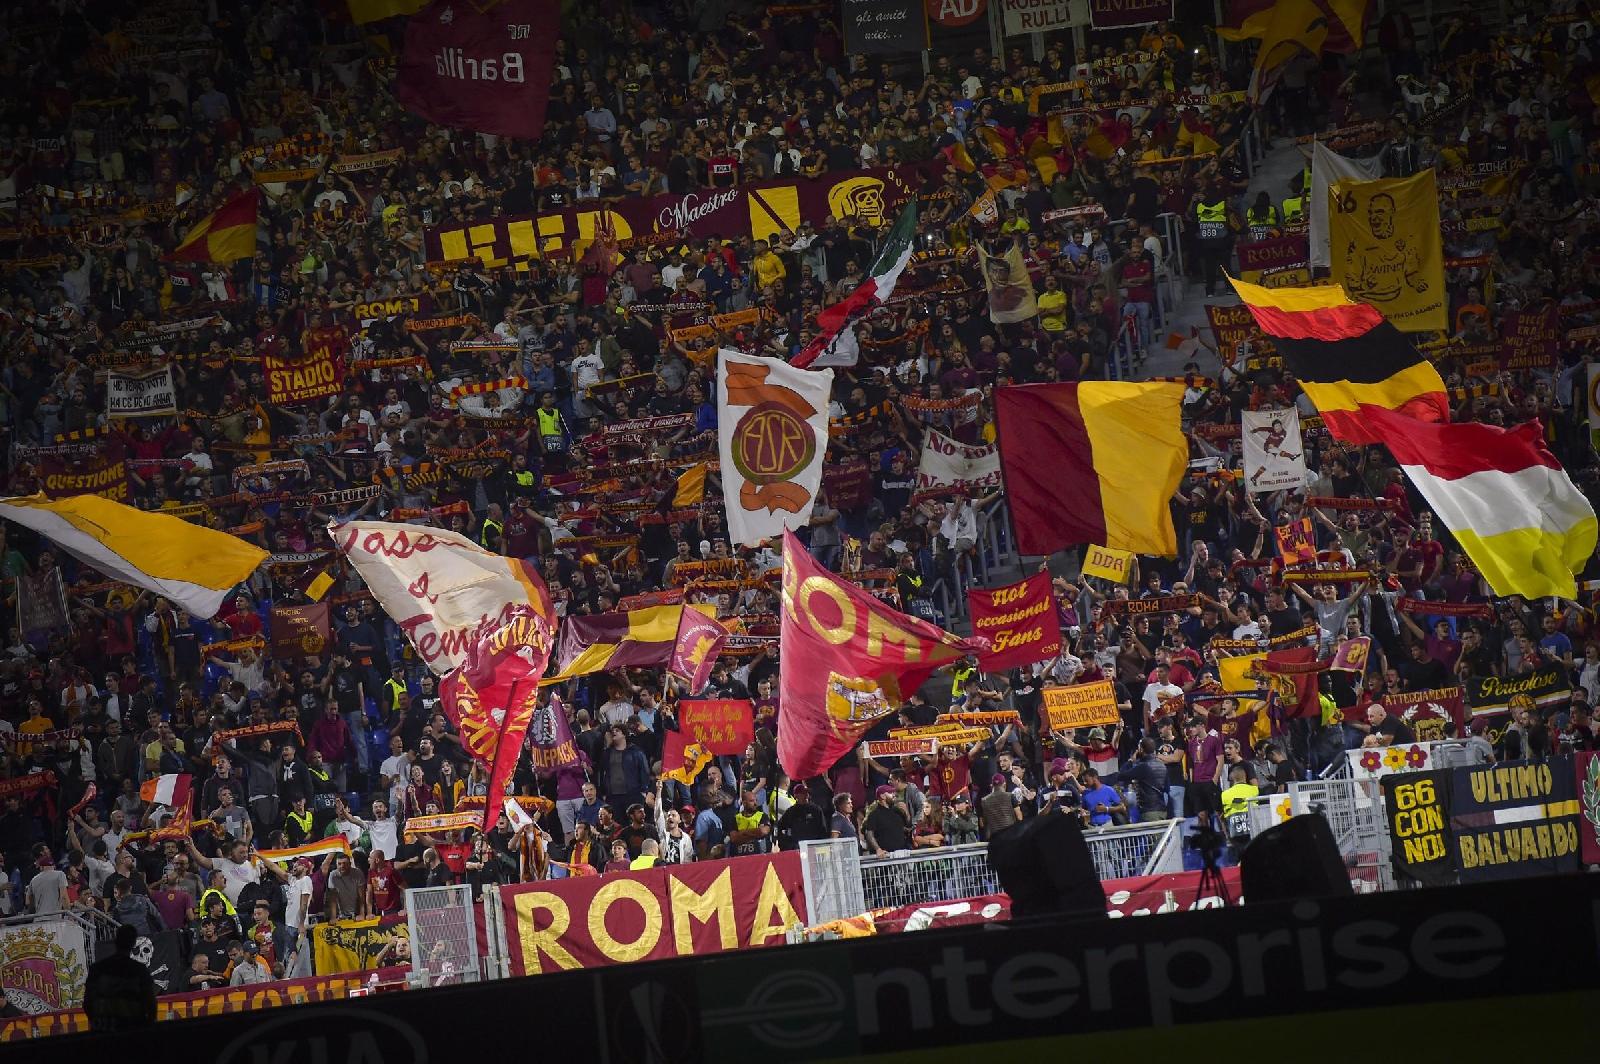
<point>126,122</point>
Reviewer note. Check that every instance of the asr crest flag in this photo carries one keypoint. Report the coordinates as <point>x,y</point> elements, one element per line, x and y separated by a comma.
<point>491,699</point>
<point>772,431</point>
<point>847,659</point>
<point>1386,249</point>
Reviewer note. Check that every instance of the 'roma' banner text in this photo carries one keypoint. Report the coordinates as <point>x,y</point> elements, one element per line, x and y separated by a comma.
<point>1019,620</point>
<point>484,68</point>
<point>847,658</point>
<point>652,914</point>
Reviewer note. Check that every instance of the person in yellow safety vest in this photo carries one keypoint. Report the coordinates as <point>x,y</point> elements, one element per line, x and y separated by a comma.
<point>649,855</point>
<point>494,527</point>
<point>1262,214</point>
<point>1236,799</point>
<point>1294,207</point>
<point>1212,230</point>
<point>958,675</point>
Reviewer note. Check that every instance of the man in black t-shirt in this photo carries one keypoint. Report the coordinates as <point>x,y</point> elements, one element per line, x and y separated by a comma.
<point>1389,730</point>
<point>887,827</point>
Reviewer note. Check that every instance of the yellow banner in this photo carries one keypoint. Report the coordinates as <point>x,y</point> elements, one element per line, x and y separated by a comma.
<point>1081,705</point>
<point>1386,248</point>
<point>1236,672</point>
<point>1108,563</point>
<point>352,945</point>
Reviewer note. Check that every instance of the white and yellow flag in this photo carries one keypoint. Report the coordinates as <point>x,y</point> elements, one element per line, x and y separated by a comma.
<point>443,590</point>
<point>196,568</point>
<point>772,431</point>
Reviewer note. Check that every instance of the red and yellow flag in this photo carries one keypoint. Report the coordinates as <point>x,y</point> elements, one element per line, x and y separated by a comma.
<point>225,235</point>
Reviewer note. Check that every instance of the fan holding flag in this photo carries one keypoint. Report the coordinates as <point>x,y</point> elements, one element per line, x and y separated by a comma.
<point>835,342</point>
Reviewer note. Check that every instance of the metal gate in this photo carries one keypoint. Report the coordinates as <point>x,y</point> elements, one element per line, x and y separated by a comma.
<point>831,872</point>
<point>444,935</point>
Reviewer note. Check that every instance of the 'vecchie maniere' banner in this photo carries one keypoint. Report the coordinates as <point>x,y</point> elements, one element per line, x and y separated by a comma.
<point>652,914</point>
<point>758,210</point>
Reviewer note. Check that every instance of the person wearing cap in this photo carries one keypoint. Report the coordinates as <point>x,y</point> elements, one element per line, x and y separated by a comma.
<point>802,821</point>
<point>960,822</point>
<point>999,809</point>
<point>1063,794</point>
<point>886,828</point>
<point>244,966</point>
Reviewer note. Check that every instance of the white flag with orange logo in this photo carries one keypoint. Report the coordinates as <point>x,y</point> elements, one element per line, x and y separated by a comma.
<point>772,428</point>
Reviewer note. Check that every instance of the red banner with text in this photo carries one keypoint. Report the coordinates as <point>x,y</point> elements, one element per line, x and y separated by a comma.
<point>1019,620</point>
<point>653,914</point>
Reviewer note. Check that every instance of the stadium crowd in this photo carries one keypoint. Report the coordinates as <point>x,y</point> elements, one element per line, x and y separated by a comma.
<point>126,123</point>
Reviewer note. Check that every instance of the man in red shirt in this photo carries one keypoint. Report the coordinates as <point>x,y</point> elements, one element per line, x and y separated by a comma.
<point>384,893</point>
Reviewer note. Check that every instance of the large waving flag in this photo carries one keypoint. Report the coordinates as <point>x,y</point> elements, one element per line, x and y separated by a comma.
<point>848,661</point>
<point>873,292</point>
<point>1348,359</point>
<point>1503,496</point>
<point>1092,462</point>
<point>625,639</point>
<point>226,234</point>
<point>772,435</point>
<point>694,652</point>
<point>443,590</point>
<point>491,699</point>
<point>195,567</point>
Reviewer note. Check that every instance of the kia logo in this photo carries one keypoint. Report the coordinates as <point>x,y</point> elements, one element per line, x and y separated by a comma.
<point>328,1036</point>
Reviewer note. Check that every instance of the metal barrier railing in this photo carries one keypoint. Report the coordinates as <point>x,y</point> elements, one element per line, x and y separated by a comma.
<point>830,870</point>
<point>1122,850</point>
<point>943,874</point>
<point>444,936</point>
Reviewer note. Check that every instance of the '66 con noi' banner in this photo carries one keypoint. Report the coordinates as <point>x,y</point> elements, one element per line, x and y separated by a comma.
<point>1019,620</point>
<point>758,210</point>
<point>652,914</point>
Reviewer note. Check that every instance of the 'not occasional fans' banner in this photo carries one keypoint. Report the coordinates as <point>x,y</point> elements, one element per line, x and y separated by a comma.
<point>652,914</point>
<point>481,67</point>
<point>1019,620</point>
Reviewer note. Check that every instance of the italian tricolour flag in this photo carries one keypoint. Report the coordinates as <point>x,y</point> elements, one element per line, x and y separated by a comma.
<point>835,338</point>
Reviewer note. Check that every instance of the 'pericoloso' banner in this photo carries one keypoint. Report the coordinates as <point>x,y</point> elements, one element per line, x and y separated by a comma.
<point>653,914</point>
<point>758,210</point>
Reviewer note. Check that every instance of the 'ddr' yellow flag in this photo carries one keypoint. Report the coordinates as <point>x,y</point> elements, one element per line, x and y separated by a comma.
<point>1386,250</point>
<point>1108,563</point>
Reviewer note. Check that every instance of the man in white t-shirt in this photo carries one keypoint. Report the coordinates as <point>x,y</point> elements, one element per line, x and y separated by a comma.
<point>1154,693</point>
<point>382,831</point>
<point>238,868</point>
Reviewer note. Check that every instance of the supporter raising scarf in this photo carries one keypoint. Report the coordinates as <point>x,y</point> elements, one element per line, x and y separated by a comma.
<point>492,697</point>
<point>873,292</point>
<point>1503,496</point>
<point>848,661</point>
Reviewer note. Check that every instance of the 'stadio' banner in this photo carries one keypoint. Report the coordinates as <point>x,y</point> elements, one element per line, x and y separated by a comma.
<point>1019,620</point>
<point>759,210</point>
<point>141,395</point>
<point>481,67</point>
<point>653,914</point>
<point>306,380</point>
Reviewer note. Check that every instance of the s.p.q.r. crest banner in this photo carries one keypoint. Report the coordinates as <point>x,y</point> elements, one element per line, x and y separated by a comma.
<point>758,210</point>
